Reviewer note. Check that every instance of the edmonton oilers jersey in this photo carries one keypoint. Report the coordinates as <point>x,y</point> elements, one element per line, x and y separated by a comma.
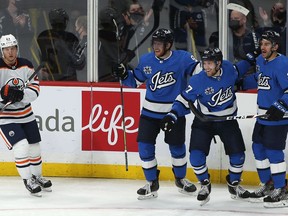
<point>19,112</point>
<point>215,95</point>
<point>272,85</point>
<point>164,79</point>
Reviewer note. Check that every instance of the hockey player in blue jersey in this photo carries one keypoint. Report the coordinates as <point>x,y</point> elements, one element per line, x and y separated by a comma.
<point>213,89</point>
<point>269,135</point>
<point>165,74</point>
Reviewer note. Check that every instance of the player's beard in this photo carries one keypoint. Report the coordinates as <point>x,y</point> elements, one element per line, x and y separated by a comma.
<point>268,55</point>
<point>163,54</point>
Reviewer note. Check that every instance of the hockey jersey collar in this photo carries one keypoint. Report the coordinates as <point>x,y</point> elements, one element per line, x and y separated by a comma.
<point>162,60</point>
<point>218,77</point>
<point>14,66</point>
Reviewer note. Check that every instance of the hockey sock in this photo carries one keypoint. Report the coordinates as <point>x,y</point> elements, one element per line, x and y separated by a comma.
<point>236,166</point>
<point>262,162</point>
<point>179,162</point>
<point>21,155</point>
<point>35,159</point>
<point>149,162</point>
<point>277,166</point>
<point>198,162</point>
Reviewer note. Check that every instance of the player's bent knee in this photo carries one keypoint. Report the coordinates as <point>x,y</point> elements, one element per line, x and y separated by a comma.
<point>34,149</point>
<point>178,151</point>
<point>275,156</point>
<point>237,158</point>
<point>21,149</point>
<point>197,157</point>
<point>146,151</point>
<point>258,151</point>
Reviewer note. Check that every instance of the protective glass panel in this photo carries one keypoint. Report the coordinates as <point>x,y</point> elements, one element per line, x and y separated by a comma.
<point>247,21</point>
<point>47,34</point>
<point>193,24</point>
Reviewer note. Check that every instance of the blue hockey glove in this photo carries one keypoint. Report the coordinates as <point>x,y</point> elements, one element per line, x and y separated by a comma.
<point>168,121</point>
<point>11,93</point>
<point>119,71</point>
<point>277,110</point>
<point>250,57</point>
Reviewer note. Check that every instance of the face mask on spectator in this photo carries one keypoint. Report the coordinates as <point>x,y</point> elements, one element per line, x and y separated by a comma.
<point>137,17</point>
<point>280,15</point>
<point>234,25</point>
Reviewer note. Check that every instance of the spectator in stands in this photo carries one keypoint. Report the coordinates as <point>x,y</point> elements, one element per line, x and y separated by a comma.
<point>81,49</point>
<point>243,42</point>
<point>57,48</point>
<point>188,20</point>
<point>252,21</point>
<point>121,22</point>
<point>276,22</point>
<point>14,20</point>
<point>109,47</point>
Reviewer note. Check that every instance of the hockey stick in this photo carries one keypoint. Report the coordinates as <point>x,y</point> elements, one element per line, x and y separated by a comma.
<point>122,97</point>
<point>25,85</point>
<point>205,118</point>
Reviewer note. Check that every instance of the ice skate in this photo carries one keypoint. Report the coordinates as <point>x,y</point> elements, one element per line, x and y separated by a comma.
<point>32,187</point>
<point>237,191</point>
<point>204,192</point>
<point>149,190</point>
<point>277,199</point>
<point>43,183</point>
<point>259,194</point>
<point>185,186</point>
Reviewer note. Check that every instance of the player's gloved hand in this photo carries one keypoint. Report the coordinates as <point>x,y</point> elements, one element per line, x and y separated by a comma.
<point>168,121</point>
<point>119,71</point>
<point>250,57</point>
<point>11,93</point>
<point>277,110</point>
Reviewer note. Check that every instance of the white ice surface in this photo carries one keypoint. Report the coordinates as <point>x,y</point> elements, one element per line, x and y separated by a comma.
<point>117,197</point>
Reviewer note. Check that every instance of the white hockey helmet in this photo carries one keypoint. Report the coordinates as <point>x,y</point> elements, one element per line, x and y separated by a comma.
<point>8,41</point>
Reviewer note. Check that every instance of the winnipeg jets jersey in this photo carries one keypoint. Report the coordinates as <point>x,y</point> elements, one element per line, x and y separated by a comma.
<point>164,79</point>
<point>19,112</point>
<point>215,95</point>
<point>272,85</point>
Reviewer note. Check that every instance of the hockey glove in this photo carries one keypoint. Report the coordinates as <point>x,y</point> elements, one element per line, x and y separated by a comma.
<point>11,93</point>
<point>119,71</point>
<point>169,121</point>
<point>250,57</point>
<point>277,110</point>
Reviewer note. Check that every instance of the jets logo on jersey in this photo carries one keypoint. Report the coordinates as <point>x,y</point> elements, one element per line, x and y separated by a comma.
<point>221,97</point>
<point>209,91</point>
<point>159,80</point>
<point>263,82</point>
<point>147,69</point>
